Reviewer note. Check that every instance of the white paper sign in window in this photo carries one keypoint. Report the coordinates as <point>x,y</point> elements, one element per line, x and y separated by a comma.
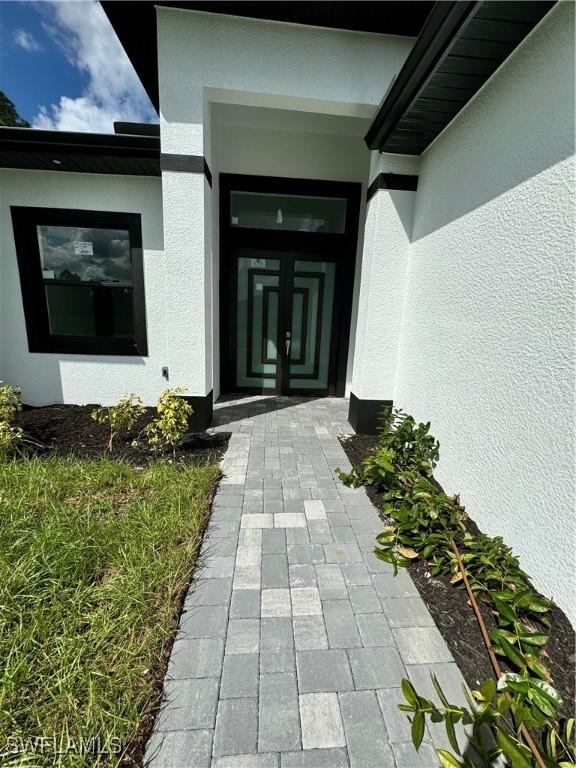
<point>83,248</point>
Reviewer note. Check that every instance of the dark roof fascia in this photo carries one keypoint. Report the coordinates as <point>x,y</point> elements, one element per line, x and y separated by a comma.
<point>36,150</point>
<point>63,142</point>
<point>430,48</point>
<point>136,129</point>
<point>135,25</point>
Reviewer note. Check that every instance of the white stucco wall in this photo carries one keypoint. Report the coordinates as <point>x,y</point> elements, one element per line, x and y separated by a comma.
<point>263,61</point>
<point>54,378</point>
<point>188,262</point>
<point>384,261</point>
<point>487,345</point>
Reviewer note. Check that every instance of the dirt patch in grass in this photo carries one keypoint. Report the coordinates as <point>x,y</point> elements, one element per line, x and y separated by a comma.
<point>69,430</point>
<point>455,619</point>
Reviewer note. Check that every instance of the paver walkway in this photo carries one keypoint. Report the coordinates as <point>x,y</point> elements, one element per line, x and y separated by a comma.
<point>295,637</point>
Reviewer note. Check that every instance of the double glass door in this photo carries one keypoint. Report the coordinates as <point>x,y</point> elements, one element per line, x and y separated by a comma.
<point>287,254</point>
<point>284,321</point>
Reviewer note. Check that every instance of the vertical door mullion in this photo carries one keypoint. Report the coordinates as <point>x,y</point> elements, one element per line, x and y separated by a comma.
<point>285,320</point>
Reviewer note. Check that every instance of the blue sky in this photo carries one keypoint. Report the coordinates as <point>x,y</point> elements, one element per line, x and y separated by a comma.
<point>64,68</point>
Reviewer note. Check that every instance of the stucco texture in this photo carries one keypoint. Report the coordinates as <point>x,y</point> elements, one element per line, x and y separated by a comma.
<point>50,378</point>
<point>199,51</point>
<point>384,262</point>
<point>487,340</point>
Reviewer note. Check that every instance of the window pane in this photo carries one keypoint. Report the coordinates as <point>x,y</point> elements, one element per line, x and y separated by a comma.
<point>87,254</point>
<point>90,311</point>
<point>257,322</point>
<point>312,331</point>
<point>288,212</point>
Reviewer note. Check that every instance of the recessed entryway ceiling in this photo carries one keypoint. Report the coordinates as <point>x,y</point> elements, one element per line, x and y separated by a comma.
<point>288,120</point>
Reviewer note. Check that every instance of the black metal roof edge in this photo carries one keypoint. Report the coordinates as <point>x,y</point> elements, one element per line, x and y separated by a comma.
<point>65,142</point>
<point>138,39</point>
<point>124,128</point>
<point>443,23</point>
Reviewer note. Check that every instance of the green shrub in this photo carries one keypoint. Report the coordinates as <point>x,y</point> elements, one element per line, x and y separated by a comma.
<point>402,444</point>
<point>167,429</point>
<point>413,445</point>
<point>423,520</point>
<point>10,404</point>
<point>426,523</point>
<point>121,417</point>
<point>495,713</point>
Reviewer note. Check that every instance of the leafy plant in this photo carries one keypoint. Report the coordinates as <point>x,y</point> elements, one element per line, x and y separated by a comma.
<point>424,522</point>
<point>376,470</point>
<point>495,712</point>
<point>10,439</point>
<point>171,422</point>
<point>402,444</point>
<point>121,417</point>
<point>413,445</point>
<point>10,404</point>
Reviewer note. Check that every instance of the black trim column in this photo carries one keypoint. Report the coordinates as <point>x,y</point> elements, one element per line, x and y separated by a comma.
<point>201,419</point>
<point>363,414</point>
<point>398,181</point>
<point>186,164</point>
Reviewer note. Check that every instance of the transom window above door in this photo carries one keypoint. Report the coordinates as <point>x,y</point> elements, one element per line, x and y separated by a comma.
<point>259,210</point>
<point>81,280</point>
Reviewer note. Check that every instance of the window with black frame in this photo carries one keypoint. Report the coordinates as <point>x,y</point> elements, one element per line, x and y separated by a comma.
<point>81,280</point>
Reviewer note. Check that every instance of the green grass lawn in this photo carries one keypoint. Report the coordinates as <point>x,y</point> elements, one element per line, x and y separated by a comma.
<point>94,556</point>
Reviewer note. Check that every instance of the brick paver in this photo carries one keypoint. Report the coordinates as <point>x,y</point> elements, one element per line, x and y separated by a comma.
<point>294,637</point>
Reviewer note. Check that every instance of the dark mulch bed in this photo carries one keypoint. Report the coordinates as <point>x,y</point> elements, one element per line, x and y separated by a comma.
<point>453,614</point>
<point>69,430</point>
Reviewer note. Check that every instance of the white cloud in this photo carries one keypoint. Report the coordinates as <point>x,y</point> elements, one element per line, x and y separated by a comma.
<point>27,41</point>
<point>113,91</point>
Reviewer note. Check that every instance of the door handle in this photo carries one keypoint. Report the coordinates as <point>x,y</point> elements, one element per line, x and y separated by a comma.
<point>287,343</point>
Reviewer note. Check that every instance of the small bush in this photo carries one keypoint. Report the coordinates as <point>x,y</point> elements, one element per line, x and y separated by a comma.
<point>403,445</point>
<point>10,439</point>
<point>10,405</point>
<point>171,422</point>
<point>121,417</point>
<point>413,446</point>
<point>10,402</point>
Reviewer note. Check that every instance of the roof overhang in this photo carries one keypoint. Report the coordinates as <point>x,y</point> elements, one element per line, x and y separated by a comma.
<point>31,149</point>
<point>460,47</point>
<point>135,22</point>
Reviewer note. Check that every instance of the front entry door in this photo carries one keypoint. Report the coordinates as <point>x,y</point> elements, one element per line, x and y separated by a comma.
<point>286,277</point>
<point>285,322</point>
